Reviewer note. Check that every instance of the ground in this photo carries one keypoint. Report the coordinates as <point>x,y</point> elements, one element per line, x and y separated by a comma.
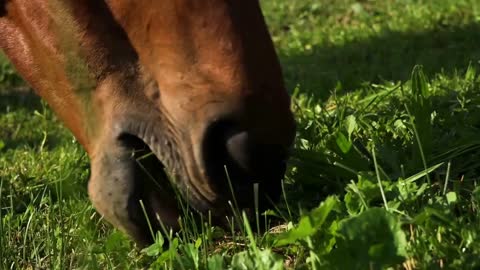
<point>384,171</point>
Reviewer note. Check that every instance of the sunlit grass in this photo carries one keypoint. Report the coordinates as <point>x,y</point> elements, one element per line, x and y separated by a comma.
<point>384,171</point>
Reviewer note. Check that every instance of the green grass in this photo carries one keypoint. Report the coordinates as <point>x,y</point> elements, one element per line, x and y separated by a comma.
<point>384,172</point>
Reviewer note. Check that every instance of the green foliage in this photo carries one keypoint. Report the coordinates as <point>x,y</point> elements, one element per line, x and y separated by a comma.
<point>384,172</point>
<point>378,233</point>
<point>309,224</point>
<point>8,75</point>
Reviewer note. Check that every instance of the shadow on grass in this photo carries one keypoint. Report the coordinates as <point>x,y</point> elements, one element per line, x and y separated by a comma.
<point>25,121</point>
<point>19,98</point>
<point>390,56</point>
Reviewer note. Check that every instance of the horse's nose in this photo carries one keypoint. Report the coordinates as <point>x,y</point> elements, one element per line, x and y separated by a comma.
<point>248,161</point>
<point>238,155</point>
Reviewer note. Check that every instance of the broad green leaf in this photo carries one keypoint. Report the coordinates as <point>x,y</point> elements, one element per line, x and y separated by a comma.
<point>168,255</point>
<point>157,247</point>
<point>261,260</point>
<point>153,250</point>
<point>198,243</point>
<point>451,197</point>
<point>372,239</point>
<point>350,124</point>
<point>343,143</point>
<point>215,262</point>
<point>308,224</point>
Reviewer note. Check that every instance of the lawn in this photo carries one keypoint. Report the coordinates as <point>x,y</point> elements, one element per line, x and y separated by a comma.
<point>384,172</point>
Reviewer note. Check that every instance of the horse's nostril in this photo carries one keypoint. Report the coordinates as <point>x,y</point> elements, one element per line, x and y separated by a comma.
<point>247,161</point>
<point>257,159</point>
<point>238,148</point>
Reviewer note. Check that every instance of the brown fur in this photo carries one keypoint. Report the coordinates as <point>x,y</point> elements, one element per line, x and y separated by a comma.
<point>161,70</point>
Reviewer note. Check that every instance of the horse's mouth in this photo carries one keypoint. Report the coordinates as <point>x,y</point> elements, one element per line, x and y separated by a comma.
<point>137,177</point>
<point>151,202</point>
<point>145,159</point>
<point>233,185</point>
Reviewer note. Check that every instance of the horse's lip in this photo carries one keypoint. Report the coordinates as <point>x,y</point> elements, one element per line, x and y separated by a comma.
<point>175,163</point>
<point>172,158</point>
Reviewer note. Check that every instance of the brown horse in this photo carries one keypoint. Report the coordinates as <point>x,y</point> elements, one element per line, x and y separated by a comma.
<point>197,82</point>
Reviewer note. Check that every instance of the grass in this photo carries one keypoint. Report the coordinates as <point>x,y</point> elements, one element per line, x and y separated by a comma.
<point>384,172</point>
